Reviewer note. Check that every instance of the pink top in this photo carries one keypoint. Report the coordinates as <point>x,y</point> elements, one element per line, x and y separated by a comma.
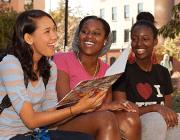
<point>69,63</point>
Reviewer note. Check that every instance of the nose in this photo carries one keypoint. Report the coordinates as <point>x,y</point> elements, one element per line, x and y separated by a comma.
<point>89,34</point>
<point>139,42</point>
<point>54,35</point>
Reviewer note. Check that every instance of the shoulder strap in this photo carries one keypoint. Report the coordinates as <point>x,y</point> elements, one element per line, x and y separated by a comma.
<point>5,103</point>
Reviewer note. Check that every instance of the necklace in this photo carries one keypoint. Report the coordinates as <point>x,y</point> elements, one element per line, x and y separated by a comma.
<point>96,70</point>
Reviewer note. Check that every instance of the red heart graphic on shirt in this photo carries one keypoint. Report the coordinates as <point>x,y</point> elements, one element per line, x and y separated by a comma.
<point>144,90</point>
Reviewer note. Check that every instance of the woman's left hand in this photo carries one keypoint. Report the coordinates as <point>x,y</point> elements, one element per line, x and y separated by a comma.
<point>169,115</point>
<point>121,105</point>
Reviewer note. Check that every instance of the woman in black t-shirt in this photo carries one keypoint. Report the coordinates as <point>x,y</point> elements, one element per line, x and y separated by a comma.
<point>147,84</point>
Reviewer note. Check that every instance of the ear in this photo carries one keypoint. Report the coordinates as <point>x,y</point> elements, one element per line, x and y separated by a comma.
<point>28,38</point>
<point>105,42</point>
<point>155,41</point>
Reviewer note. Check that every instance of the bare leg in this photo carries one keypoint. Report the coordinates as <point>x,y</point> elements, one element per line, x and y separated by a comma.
<point>102,125</point>
<point>129,124</point>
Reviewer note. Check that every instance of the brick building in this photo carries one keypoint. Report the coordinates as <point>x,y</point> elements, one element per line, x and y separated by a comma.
<point>121,14</point>
<point>21,5</point>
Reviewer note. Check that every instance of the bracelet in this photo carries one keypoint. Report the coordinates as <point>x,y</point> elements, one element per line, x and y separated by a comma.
<point>71,111</point>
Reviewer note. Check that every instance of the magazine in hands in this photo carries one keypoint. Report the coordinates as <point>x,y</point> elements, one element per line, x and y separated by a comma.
<point>95,85</point>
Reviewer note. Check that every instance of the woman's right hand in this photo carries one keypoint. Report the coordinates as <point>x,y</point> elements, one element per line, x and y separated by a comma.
<point>122,105</point>
<point>89,103</point>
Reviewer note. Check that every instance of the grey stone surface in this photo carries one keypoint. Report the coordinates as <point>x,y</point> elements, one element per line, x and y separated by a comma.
<point>154,128</point>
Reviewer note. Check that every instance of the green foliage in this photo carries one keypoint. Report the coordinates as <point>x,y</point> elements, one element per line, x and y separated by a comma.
<point>28,6</point>
<point>176,103</point>
<point>172,28</point>
<point>7,19</point>
<point>170,46</point>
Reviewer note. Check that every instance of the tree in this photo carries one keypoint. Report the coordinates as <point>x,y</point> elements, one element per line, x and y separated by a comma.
<point>170,47</point>
<point>73,21</point>
<point>7,19</point>
<point>172,28</point>
<point>171,33</point>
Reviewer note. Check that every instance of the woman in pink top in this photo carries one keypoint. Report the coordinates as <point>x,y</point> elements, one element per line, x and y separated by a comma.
<point>92,39</point>
<point>76,71</point>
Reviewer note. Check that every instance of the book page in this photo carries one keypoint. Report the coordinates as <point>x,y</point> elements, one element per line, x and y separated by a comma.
<point>119,65</point>
<point>88,87</point>
<point>96,85</point>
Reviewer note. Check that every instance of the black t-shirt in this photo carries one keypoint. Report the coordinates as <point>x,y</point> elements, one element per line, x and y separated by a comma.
<point>144,88</point>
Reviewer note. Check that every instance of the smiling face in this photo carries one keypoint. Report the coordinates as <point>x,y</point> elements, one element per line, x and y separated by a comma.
<point>92,37</point>
<point>43,38</point>
<point>143,42</point>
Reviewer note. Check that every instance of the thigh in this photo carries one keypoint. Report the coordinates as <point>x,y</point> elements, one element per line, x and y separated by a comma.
<point>69,135</point>
<point>88,123</point>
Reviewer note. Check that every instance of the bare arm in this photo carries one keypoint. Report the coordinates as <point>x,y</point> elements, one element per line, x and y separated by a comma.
<point>147,109</point>
<point>168,101</point>
<point>63,84</point>
<point>34,119</point>
<point>168,114</point>
<point>155,108</point>
<point>119,95</point>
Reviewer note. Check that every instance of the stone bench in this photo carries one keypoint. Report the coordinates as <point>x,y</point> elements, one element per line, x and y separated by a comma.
<point>154,128</point>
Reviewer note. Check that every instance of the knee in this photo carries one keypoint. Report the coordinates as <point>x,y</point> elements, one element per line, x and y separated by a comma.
<point>130,119</point>
<point>107,119</point>
<point>133,119</point>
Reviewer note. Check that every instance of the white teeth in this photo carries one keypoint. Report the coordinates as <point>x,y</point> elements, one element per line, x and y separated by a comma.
<point>140,51</point>
<point>89,43</point>
<point>52,44</point>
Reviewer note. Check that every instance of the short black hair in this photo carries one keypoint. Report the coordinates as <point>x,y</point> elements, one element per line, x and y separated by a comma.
<point>104,22</point>
<point>146,19</point>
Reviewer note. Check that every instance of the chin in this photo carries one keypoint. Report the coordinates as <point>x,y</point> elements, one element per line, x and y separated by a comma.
<point>141,56</point>
<point>49,54</point>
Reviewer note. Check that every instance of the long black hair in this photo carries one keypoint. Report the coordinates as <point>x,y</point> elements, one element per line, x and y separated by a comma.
<point>25,23</point>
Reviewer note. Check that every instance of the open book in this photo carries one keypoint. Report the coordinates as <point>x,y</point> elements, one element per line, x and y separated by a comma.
<point>93,86</point>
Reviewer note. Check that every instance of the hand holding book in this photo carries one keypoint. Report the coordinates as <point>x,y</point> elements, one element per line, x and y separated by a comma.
<point>91,101</point>
<point>92,86</point>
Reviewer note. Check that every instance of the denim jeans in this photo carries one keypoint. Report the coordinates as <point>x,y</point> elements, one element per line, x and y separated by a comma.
<point>58,135</point>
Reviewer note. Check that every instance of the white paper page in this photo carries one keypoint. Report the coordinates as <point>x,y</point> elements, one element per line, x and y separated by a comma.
<point>119,65</point>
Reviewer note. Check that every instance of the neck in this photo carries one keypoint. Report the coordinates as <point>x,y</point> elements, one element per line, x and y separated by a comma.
<point>88,60</point>
<point>145,65</point>
<point>90,64</point>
